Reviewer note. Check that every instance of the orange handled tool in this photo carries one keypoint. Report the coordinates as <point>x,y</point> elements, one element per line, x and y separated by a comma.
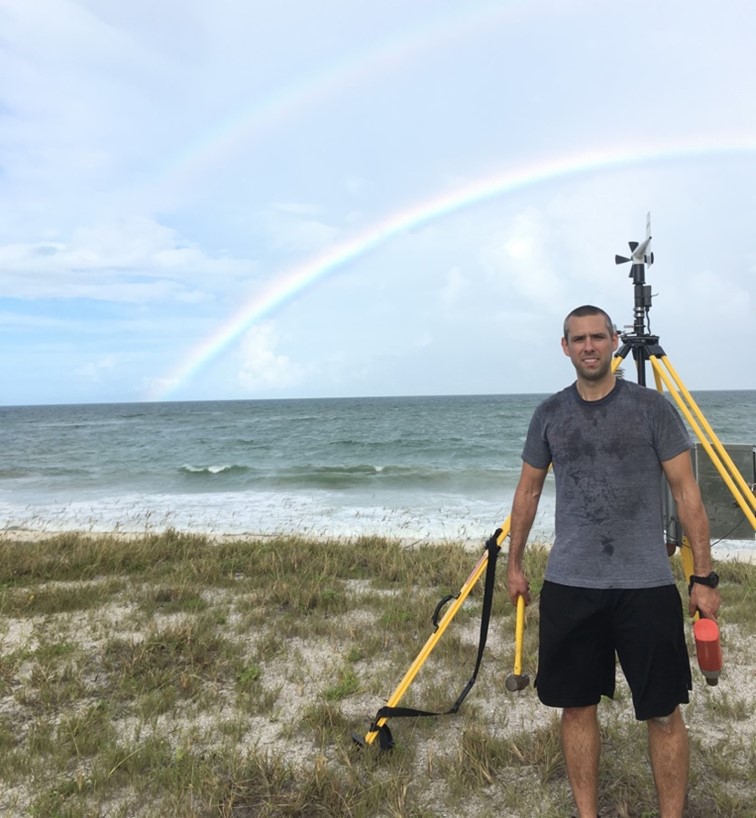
<point>705,631</point>
<point>708,649</point>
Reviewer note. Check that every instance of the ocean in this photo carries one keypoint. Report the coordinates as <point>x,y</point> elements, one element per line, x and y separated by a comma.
<point>417,468</point>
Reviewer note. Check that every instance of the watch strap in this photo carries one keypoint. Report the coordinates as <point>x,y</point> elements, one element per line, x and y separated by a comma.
<point>711,580</point>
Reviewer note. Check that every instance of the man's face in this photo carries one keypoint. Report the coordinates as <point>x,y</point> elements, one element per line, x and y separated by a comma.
<point>590,346</point>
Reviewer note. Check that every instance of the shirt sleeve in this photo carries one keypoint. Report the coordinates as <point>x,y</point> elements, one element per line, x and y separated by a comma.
<point>536,451</point>
<point>672,434</point>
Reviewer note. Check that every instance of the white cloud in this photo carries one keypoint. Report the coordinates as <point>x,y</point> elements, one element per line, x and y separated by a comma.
<point>262,366</point>
<point>518,259</point>
<point>298,227</point>
<point>94,370</point>
<point>134,260</point>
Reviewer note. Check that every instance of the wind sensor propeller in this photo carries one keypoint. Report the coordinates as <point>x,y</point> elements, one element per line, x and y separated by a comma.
<point>640,339</point>
<point>640,258</point>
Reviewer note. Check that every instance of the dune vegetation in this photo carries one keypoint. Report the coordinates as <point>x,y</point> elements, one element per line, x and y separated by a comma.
<point>182,675</point>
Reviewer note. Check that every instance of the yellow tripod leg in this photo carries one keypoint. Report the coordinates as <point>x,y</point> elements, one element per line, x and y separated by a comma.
<point>741,492</point>
<point>443,624</point>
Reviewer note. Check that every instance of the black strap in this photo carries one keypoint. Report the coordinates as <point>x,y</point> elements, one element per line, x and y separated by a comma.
<point>384,734</point>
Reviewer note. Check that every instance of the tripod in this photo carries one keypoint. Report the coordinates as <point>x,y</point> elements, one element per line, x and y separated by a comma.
<point>644,347</point>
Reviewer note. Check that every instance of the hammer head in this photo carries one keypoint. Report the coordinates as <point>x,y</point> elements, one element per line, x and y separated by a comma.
<point>513,682</point>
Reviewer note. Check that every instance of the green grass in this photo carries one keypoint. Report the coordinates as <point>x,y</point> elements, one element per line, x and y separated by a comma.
<point>169,675</point>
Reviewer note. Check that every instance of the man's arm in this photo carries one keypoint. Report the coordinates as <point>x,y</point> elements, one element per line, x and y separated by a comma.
<point>695,523</point>
<point>524,507</point>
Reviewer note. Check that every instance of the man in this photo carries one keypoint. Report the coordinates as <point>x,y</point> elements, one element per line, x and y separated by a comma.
<point>608,587</point>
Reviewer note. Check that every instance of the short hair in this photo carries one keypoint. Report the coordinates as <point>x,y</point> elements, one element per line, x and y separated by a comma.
<point>582,312</point>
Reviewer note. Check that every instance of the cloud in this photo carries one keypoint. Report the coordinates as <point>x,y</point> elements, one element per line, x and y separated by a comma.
<point>262,366</point>
<point>298,227</point>
<point>519,258</point>
<point>132,260</point>
<point>94,370</point>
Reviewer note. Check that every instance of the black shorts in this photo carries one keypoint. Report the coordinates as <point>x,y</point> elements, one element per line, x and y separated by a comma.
<point>582,629</point>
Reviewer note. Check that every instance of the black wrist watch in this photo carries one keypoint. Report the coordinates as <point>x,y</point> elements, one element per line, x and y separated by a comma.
<point>712,580</point>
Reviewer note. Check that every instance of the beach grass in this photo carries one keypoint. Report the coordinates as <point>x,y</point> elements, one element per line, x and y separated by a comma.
<point>178,675</point>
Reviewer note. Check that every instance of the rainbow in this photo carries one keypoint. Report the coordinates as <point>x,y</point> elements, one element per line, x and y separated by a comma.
<point>240,128</point>
<point>290,283</point>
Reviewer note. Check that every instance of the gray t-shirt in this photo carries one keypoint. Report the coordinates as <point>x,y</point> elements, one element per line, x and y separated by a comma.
<point>607,456</point>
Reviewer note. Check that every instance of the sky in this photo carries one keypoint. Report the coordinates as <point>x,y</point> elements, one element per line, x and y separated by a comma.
<point>241,199</point>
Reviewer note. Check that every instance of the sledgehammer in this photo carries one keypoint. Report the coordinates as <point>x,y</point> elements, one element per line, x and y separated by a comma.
<point>705,631</point>
<point>518,680</point>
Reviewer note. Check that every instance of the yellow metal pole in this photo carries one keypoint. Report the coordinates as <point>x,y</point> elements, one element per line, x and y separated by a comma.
<point>738,495</point>
<point>519,635</point>
<point>657,379</point>
<point>686,558</point>
<point>444,623</point>
<point>721,451</point>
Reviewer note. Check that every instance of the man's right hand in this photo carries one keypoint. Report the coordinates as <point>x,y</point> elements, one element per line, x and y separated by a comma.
<point>517,585</point>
